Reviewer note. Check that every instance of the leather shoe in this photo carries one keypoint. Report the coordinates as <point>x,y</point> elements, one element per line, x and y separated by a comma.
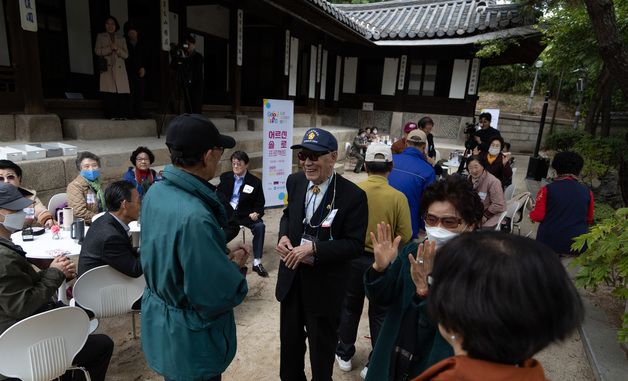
<point>261,271</point>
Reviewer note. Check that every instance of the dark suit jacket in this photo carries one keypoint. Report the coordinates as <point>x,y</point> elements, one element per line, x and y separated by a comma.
<point>249,202</point>
<point>322,286</point>
<point>106,243</point>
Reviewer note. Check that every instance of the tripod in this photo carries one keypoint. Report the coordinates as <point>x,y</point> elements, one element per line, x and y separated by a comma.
<point>179,68</point>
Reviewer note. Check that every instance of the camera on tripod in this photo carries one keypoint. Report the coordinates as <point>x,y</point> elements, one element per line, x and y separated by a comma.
<point>469,132</point>
<point>178,53</point>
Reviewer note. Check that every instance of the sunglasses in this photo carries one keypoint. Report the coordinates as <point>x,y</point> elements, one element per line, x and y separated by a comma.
<point>10,177</point>
<point>447,222</point>
<point>313,156</point>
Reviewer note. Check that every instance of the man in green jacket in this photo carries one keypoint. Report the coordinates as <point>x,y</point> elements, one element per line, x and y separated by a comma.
<point>192,284</point>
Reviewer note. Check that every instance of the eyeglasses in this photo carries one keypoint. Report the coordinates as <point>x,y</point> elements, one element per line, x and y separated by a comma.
<point>8,178</point>
<point>313,156</point>
<point>448,222</point>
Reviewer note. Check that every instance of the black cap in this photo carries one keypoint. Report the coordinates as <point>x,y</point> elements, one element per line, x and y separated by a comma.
<point>11,198</point>
<point>318,140</point>
<point>192,134</point>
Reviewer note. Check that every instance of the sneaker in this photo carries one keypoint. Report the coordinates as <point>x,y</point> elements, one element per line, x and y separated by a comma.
<point>261,271</point>
<point>345,366</point>
<point>363,372</point>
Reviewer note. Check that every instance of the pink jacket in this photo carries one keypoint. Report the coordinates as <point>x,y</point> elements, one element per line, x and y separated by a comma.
<point>490,190</point>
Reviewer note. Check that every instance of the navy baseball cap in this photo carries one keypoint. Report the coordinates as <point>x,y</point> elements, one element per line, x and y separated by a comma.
<point>318,140</point>
<point>190,134</point>
<point>11,198</point>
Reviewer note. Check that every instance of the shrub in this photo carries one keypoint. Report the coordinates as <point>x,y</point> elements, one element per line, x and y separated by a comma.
<point>605,259</point>
<point>563,140</point>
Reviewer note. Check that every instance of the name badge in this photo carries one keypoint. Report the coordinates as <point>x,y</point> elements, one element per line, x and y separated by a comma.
<point>482,195</point>
<point>247,189</point>
<point>90,198</point>
<point>329,219</point>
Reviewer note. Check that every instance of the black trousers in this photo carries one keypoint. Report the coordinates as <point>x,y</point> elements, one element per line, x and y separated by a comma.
<point>115,105</point>
<point>137,85</point>
<point>297,324</point>
<point>360,162</point>
<point>259,230</point>
<point>352,310</point>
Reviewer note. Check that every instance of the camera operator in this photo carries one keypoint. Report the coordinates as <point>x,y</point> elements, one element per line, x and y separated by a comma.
<point>486,133</point>
<point>189,66</point>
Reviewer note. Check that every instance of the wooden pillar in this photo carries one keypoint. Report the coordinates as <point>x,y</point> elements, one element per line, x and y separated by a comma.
<point>235,70</point>
<point>25,59</point>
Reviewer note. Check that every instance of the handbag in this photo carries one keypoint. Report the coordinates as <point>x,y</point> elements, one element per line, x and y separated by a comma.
<point>101,62</point>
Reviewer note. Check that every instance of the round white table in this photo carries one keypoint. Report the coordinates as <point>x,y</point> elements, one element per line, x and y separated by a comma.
<point>45,247</point>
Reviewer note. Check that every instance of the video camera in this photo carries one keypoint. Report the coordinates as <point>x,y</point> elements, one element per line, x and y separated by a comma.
<point>178,53</point>
<point>469,132</point>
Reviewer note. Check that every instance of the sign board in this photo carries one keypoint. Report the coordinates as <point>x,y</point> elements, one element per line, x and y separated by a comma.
<point>402,72</point>
<point>494,116</point>
<point>277,160</point>
<point>164,16</point>
<point>240,36</point>
<point>368,106</point>
<point>473,76</point>
<point>28,15</point>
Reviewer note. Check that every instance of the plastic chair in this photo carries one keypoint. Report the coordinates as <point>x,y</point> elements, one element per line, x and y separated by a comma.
<point>349,158</point>
<point>107,292</point>
<point>438,156</point>
<point>510,190</point>
<point>43,346</point>
<point>57,201</point>
<point>97,216</point>
<point>521,211</point>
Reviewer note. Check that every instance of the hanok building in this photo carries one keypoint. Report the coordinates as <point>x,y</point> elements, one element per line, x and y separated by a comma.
<point>397,60</point>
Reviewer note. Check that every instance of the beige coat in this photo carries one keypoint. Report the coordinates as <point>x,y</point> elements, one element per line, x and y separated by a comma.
<point>41,212</point>
<point>115,79</point>
<point>490,190</point>
<point>78,191</point>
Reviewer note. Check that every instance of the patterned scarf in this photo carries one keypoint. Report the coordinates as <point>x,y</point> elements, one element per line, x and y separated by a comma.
<point>96,185</point>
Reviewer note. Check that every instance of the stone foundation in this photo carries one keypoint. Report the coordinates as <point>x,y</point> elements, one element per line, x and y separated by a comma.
<point>38,128</point>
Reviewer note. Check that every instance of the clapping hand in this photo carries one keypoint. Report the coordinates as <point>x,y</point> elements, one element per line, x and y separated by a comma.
<point>384,247</point>
<point>421,266</point>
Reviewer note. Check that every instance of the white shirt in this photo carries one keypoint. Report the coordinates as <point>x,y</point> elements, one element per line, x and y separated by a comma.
<point>312,201</point>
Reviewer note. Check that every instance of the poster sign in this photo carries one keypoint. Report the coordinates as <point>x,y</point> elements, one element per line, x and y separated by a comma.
<point>164,11</point>
<point>28,15</point>
<point>277,159</point>
<point>494,116</point>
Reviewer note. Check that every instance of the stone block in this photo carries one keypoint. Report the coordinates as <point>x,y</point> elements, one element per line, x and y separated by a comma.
<point>224,124</point>
<point>44,174</point>
<point>7,128</point>
<point>255,124</point>
<point>38,128</point>
<point>302,120</point>
<point>96,129</point>
<point>241,122</point>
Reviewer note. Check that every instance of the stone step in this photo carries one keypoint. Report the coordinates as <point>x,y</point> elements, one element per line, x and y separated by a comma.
<point>95,129</point>
<point>224,125</point>
<point>255,124</point>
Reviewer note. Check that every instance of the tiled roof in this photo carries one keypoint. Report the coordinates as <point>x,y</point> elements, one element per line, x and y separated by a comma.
<point>425,19</point>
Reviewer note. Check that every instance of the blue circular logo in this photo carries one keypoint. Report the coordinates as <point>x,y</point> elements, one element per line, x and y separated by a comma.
<point>282,196</point>
<point>267,104</point>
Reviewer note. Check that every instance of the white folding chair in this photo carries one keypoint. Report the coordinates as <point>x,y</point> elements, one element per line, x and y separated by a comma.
<point>58,200</point>
<point>97,216</point>
<point>107,292</point>
<point>438,156</point>
<point>521,212</point>
<point>510,190</point>
<point>499,221</point>
<point>42,347</point>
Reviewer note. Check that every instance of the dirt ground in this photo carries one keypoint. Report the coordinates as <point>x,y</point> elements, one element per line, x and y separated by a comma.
<point>518,104</point>
<point>257,320</point>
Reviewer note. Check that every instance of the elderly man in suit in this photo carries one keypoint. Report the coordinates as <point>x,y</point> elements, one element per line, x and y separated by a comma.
<point>107,241</point>
<point>245,195</point>
<point>322,229</point>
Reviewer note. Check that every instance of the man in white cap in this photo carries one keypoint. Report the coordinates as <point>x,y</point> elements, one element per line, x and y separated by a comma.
<point>411,174</point>
<point>388,205</point>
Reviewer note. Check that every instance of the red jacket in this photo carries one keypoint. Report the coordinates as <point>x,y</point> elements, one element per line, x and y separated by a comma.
<point>464,368</point>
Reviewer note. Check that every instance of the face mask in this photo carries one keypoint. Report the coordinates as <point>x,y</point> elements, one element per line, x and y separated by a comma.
<point>14,222</point>
<point>493,151</point>
<point>90,175</point>
<point>439,235</point>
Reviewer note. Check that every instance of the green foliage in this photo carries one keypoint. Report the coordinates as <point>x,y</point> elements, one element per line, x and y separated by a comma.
<point>605,259</point>
<point>493,48</point>
<point>599,154</point>
<point>602,212</point>
<point>515,79</point>
<point>563,140</point>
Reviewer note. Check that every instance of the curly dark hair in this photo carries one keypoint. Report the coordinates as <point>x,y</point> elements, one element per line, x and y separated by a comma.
<point>85,155</point>
<point>499,139</point>
<point>568,162</point>
<point>507,296</point>
<point>459,192</point>
<point>140,150</point>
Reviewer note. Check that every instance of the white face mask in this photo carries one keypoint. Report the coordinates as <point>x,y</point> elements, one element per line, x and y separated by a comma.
<point>493,151</point>
<point>14,222</point>
<point>439,235</point>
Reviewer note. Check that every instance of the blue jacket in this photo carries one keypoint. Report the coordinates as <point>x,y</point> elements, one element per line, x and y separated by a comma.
<point>411,175</point>
<point>188,327</point>
<point>129,176</point>
<point>395,290</point>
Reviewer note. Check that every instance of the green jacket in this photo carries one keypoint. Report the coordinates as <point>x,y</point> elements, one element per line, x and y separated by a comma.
<point>395,290</point>
<point>188,327</point>
<point>22,289</point>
